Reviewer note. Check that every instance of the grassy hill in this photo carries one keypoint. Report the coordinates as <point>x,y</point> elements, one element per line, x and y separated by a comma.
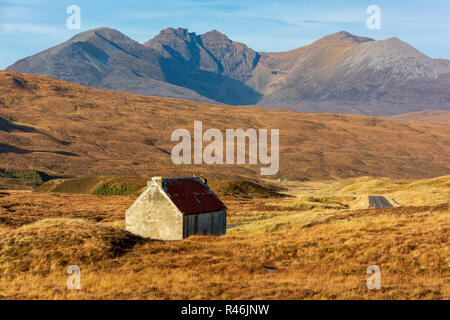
<point>437,116</point>
<point>400,192</point>
<point>100,185</point>
<point>66,129</point>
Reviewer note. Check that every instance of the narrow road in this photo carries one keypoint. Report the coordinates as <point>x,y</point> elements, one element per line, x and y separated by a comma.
<point>378,202</point>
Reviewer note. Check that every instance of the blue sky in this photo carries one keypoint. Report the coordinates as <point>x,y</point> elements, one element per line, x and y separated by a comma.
<point>30,26</point>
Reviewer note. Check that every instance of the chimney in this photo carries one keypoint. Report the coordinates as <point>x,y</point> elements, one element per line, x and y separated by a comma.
<point>155,181</point>
<point>201,177</point>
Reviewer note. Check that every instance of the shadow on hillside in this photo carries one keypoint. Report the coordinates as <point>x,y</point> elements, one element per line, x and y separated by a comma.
<point>6,148</point>
<point>8,126</point>
<point>220,88</point>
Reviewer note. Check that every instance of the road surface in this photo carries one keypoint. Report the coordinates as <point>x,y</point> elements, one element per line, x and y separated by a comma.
<point>378,202</point>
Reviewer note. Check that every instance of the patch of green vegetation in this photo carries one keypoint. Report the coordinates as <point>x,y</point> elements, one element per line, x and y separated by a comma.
<point>30,175</point>
<point>115,190</point>
<point>25,174</point>
<point>99,185</point>
<point>6,174</point>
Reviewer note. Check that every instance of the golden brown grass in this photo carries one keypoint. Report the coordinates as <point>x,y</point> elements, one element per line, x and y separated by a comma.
<point>317,252</point>
<point>49,244</point>
<point>434,116</point>
<point>67,129</point>
<point>399,192</point>
<point>18,208</point>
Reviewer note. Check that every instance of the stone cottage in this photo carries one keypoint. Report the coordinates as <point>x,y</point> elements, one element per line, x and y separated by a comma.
<point>174,209</point>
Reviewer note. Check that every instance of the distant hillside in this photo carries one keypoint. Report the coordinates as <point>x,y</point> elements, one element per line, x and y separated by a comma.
<point>438,116</point>
<point>444,61</point>
<point>67,129</point>
<point>340,73</point>
<point>343,73</point>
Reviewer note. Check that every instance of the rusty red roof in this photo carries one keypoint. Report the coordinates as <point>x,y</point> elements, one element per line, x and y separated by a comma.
<point>192,196</point>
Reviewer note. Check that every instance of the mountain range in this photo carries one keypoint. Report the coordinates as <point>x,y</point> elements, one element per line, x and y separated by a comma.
<point>340,73</point>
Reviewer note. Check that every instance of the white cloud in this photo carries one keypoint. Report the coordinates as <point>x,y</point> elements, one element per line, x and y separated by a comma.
<point>301,15</point>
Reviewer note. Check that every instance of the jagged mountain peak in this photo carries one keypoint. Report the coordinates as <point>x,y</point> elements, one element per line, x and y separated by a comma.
<point>212,51</point>
<point>185,34</point>
<point>216,35</point>
<point>103,32</point>
<point>182,33</point>
<point>344,35</point>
